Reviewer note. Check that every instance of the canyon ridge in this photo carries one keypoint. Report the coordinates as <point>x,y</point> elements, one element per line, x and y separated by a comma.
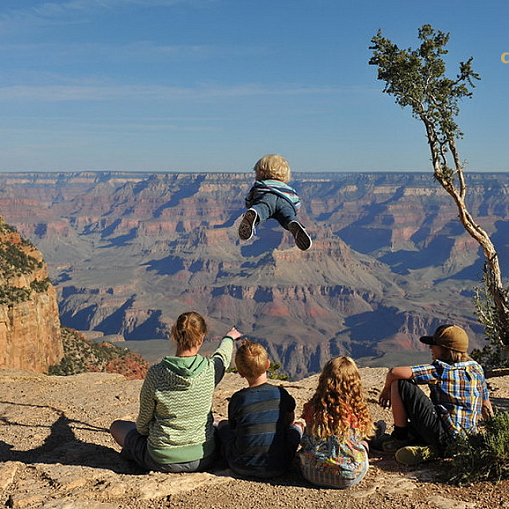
<point>127,252</point>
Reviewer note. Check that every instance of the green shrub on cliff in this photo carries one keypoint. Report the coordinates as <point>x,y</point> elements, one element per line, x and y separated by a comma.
<point>13,295</point>
<point>82,355</point>
<point>14,261</point>
<point>40,286</point>
<point>10,295</point>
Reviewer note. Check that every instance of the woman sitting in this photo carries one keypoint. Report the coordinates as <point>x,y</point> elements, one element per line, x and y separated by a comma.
<point>174,431</point>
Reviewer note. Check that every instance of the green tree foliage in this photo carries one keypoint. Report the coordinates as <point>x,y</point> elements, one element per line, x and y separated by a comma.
<point>416,79</point>
<point>272,373</point>
<point>493,355</point>
<point>10,295</point>
<point>15,262</point>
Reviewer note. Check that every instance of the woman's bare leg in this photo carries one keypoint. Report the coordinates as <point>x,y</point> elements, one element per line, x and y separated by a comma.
<point>119,430</point>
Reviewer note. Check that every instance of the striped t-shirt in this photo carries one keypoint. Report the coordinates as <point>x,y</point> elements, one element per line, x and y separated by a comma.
<point>260,417</point>
<point>275,187</point>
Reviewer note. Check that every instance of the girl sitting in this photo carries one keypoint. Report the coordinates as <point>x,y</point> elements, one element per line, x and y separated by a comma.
<point>334,452</point>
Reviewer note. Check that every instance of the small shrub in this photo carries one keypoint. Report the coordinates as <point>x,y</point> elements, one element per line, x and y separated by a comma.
<point>82,355</point>
<point>14,261</point>
<point>494,354</point>
<point>10,295</point>
<point>40,286</point>
<point>273,372</point>
<point>482,456</point>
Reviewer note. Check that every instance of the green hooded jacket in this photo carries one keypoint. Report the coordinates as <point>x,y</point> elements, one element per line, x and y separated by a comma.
<point>176,402</point>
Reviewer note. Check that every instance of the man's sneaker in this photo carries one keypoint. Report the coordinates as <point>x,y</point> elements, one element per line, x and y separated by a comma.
<point>386,443</point>
<point>246,227</point>
<point>416,454</point>
<point>302,239</point>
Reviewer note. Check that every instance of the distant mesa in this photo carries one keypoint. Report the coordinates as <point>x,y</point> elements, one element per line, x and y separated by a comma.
<point>128,252</point>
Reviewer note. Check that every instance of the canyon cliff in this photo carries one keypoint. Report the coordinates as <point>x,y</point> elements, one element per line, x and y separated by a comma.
<point>29,321</point>
<point>128,252</point>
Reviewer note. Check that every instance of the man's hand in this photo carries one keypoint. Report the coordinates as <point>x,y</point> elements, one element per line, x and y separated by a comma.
<point>398,373</point>
<point>486,410</point>
<point>384,400</point>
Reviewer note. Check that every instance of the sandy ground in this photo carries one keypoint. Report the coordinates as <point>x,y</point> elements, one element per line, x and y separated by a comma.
<point>56,453</point>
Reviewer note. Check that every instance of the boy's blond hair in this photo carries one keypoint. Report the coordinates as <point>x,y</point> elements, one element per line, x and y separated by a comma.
<point>251,359</point>
<point>272,166</point>
<point>452,356</point>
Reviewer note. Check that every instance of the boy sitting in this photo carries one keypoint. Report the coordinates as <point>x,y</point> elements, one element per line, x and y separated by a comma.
<point>271,196</point>
<point>260,437</point>
<point>459,399</point>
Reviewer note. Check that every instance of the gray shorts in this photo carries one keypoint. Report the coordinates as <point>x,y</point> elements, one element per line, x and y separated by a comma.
<point>135,449</point>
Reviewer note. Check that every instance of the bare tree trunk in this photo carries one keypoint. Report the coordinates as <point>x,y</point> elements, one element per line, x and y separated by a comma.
<point>492,269</point>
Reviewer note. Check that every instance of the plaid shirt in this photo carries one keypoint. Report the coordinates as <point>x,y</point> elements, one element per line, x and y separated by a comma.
<point>457,391</point>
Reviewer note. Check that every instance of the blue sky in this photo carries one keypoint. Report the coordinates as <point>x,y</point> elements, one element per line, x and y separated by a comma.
<point>212,85</point>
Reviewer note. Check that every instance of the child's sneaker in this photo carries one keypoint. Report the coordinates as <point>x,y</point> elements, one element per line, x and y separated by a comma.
<point>302,239</point>
<point>246,227</point>
<point>387,443</point>
<point>416,454</point>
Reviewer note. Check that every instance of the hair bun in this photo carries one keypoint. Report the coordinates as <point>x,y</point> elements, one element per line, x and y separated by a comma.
<point>189,330</point>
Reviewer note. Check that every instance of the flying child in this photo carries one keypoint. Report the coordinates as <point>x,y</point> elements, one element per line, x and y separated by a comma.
<point>272,197</point>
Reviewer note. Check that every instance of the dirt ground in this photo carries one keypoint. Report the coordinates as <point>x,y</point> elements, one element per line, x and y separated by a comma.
<point>56,453</point>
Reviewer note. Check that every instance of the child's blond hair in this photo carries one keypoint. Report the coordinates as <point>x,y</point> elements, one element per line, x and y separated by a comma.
<point>338,403</point>
<point>272,166</point>
<point>251,359</point>
<point>189,329</point>
<point>452,356</point>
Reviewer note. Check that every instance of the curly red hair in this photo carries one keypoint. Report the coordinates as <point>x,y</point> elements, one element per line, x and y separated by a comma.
<point>338,403</point>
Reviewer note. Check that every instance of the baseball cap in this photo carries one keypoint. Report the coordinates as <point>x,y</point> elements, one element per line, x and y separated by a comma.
<point>448,336</point>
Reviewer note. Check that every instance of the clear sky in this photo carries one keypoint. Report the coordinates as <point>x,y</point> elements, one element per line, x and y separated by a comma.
<point>212,85</point>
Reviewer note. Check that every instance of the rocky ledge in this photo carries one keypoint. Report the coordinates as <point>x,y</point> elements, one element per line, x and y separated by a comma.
<point>56,453</point>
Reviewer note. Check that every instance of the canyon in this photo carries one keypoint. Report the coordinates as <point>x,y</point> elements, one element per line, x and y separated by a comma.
<point>127,252</point>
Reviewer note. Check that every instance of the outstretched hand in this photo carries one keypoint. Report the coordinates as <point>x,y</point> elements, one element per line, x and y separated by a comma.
<point>234,333</point>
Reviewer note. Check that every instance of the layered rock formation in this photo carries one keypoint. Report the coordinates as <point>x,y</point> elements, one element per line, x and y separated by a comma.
<point>29,322</point>
<point>128,252</point>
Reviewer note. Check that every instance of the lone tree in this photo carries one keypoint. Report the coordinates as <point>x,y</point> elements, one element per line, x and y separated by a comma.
<point>416,78</point>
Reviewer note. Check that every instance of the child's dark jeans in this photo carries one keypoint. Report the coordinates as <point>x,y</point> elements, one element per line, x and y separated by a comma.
<point>425,421</point>
<point>270,205</point>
